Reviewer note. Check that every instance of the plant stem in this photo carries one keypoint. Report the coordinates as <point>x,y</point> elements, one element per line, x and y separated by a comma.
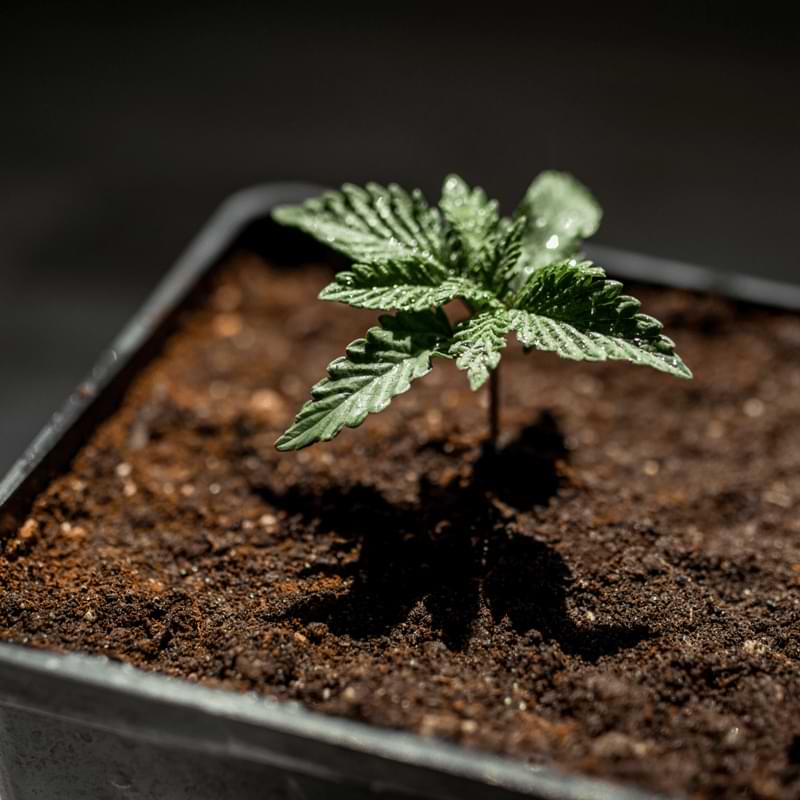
<point>494,408</point>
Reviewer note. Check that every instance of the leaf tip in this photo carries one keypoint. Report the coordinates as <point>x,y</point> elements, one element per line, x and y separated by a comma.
<point>286,215</point>
<point>684,371</point>
<point>284,443</point>
<point>477,379</point>
<point>453,183</point>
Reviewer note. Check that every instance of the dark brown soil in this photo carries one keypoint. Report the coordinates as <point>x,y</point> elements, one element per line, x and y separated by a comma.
<point>618,593</point>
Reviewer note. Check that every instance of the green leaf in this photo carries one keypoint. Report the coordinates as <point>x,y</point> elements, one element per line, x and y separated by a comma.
<point>477,343</point>
<point>561,212</point>
<point>371,225</point>
<point>573,310</point>
<point>403,286</point>
<point>518,274</point>
<point>473,218</point>
<point>506,257</point>
<point>373,371</point>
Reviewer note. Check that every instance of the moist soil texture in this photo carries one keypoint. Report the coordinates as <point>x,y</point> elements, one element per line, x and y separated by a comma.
<point>615,592</point>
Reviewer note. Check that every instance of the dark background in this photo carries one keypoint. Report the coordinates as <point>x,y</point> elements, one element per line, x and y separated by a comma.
<point>120,133</point>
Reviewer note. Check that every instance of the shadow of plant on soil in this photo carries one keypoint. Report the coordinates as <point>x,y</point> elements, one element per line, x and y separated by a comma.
<point>453,550</point>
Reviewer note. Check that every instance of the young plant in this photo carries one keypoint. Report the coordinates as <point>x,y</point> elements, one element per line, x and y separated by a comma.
<point>520,274</point>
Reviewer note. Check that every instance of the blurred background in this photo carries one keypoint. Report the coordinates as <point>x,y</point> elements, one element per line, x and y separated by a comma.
<point>120,132</point>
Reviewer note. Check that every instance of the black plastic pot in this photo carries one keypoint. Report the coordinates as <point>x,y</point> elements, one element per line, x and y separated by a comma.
<point>74,726</point>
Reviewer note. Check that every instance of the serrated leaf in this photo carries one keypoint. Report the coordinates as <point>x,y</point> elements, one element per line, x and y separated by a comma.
<point>372,224</point>
<point>473,218</point>
<point>373,371</point>
<point>403,286</point>
<point>507,254</point>
<point>575,311</point>
<point>477,344</point>
<point>561,212</point>
<point>517,274</point>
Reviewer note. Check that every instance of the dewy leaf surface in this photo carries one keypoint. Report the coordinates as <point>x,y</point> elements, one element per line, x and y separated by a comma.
<point>505,261</point>
<point>371,225</point>
<point>373,371</point>
<point>560,213</point>
<point>518,274</point>
<point>477,344</point>
<point>573,310</point>
<point>403,286</point>
<point>473,218</point>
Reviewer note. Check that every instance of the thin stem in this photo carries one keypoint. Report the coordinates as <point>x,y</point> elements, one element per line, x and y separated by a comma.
<point>494,398</point>
<point>494,408</point>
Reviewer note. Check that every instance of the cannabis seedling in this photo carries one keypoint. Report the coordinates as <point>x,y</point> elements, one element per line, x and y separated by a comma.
<point>519,274</point>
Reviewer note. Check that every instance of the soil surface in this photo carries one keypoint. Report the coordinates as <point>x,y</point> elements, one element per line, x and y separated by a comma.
<point>617,593</point>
